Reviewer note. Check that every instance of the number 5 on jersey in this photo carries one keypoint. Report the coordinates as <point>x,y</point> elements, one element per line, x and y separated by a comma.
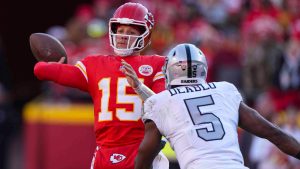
<point>209,126</point>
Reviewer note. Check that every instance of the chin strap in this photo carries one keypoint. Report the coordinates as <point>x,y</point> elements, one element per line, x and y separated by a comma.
<point>143,91</point>
<point>123,53</point>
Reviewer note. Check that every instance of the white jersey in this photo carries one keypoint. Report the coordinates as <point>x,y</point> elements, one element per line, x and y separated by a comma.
<point>200,122</point>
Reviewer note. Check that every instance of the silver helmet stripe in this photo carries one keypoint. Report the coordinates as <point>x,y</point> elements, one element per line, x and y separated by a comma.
<point>189,61</point>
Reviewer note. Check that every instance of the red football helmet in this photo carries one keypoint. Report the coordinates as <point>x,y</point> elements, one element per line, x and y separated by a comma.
<point>131,14</point>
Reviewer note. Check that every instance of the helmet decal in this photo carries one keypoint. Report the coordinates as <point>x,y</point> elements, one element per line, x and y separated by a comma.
<point>149,17</point>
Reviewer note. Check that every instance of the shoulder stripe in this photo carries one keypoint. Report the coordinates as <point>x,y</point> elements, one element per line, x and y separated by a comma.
<point>82,68</point>
<point>158,75</point>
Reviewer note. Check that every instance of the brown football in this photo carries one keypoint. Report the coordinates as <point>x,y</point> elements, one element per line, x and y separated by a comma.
<point>47,48</point>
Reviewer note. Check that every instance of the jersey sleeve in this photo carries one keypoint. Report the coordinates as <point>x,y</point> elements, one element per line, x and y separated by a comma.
<point>234,93</point>
<point>64,74</point>
<point>80,65</point>
<point>159,86</point>
<point>153,111</point>
<point>159,79</point>
<point>89,62</point>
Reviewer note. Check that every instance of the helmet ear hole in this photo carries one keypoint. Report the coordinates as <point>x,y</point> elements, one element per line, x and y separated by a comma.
<point>114,27</point>
<point>141,29</point>
<point>174,53</point>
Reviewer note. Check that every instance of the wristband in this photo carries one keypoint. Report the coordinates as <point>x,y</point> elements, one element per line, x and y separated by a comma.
<point>143,91</point>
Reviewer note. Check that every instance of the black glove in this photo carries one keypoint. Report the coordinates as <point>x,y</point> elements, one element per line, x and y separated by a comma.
<point>163,142</point>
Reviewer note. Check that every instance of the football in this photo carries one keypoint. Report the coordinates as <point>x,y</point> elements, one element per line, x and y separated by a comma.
<point>47,48</point>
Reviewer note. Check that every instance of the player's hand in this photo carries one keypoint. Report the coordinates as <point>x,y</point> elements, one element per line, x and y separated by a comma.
<point>61,60</point>
<point>130,74</point>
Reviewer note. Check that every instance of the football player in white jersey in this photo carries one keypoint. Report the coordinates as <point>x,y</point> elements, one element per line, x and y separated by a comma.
<point>200,119</point>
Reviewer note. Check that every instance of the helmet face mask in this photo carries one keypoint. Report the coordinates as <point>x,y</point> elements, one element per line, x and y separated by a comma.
<point>185,65</point>
<point>137,16</point>
<point>133,43</point>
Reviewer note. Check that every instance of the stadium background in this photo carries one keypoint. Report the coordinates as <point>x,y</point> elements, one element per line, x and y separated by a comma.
<point>251,43</point>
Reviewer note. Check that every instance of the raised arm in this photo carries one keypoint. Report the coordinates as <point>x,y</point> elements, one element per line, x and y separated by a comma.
<point>251,121</point>
<point>149,147</point>
<point>142,90</point>
<point>63,74</point>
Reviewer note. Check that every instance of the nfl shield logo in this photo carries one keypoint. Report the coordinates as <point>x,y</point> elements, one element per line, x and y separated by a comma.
<point>145,70</point>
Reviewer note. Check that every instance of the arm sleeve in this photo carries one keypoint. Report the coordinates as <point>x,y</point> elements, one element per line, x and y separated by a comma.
<point>67,75</point>
<point>159,86</point>
<point>236,96</point>
<point>232,93</point>
<point>152,111</point>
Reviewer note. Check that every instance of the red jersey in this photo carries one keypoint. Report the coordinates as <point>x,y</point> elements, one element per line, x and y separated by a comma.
<point>117,108</point>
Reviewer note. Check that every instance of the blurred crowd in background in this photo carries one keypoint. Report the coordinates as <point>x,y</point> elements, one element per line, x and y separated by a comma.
<point>254,44</point>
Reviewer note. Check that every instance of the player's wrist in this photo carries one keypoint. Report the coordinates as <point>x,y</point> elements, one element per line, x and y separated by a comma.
<point>138,85</point>
<point>143,91</point>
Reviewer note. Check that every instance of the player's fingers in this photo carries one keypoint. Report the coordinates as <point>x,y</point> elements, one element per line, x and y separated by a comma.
<point>125,72</point>
<point>62,60</point>
<point>128,75</point>
<point>126,64</point>
<point>131,75</point>
<point>123,61</point>
<point>129,69</point>
<point>123,69</point>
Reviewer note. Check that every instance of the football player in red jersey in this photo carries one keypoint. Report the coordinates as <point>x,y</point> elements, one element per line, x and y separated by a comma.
<point>117,108</point>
